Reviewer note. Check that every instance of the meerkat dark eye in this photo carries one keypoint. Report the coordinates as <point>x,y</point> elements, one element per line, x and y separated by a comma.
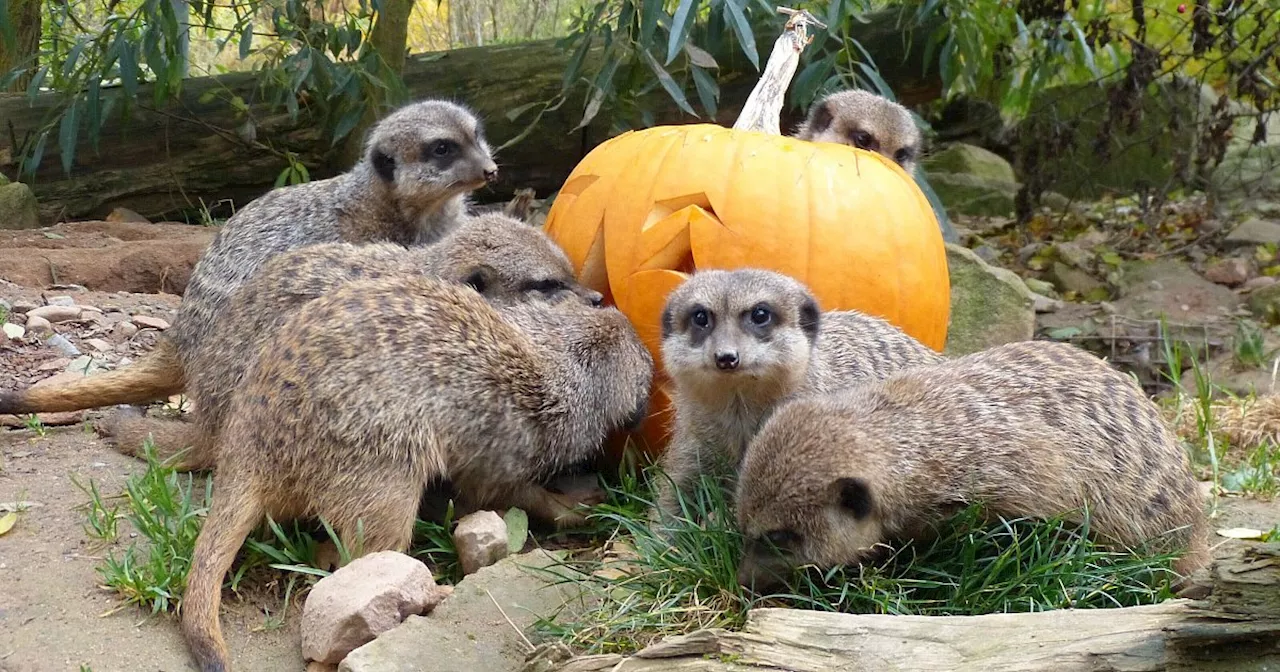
<point>761,316</point>
<point>782,539</point>
<point>863,140</point>
<point>439,149</point>
<point>902,155</point>
<point>547,286</point>
<point>700,318</point>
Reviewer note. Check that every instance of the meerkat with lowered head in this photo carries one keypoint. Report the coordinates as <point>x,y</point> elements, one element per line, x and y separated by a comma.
<point>331,423</point>
<point>737,343</point>
<point>865,120</point>
<point>410,187</point>
<point>504,259</point>
<point>1034,428</point>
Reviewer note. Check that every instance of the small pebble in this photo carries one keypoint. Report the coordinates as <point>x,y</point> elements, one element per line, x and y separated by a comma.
<point>100,345</point>
<point>61,344</point>
<point>123,331</point>
<point>60,301</point>
<point>38,326</point>
<point>55,314</point>
<point>151,322</point>
<point>14,331</point>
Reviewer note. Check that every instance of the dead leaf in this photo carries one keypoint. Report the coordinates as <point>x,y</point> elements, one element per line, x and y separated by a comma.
<point>1240,533</point>
<point>7,521</point>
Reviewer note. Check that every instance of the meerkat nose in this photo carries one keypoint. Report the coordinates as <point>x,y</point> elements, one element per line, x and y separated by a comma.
<point>491,173</point>
<point>727,360</point>
<point>595,298</point>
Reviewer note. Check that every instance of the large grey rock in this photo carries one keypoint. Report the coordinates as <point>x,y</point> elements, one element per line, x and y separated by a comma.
<point>1248,172</point>
<point>362,600</point>
<point>989,305</point>
<point>970,180</point>
<point>1067,279</point>
<point>18,207</point>
<point>469,632</point>
<point>1255,231</point>
<point>1169,287</point>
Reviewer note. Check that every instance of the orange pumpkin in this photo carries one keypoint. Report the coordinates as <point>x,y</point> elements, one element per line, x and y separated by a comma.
<point>647,207</point>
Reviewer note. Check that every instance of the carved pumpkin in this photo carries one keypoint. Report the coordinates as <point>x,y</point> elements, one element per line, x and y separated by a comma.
<point>645,208</point>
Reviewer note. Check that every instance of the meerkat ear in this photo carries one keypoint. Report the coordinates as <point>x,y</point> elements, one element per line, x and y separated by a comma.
<point>480,279</point>
<point>383,164</point>
<point>809,318</point>
<point>855,496</point>
<point>668,321</point>
<point>820,117</point>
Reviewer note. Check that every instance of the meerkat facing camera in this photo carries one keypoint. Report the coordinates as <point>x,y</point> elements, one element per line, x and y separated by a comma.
<point>865,120</point>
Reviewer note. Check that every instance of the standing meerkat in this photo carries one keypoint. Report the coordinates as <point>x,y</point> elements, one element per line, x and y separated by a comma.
<point>865,120</point>
<point>1030,429</point>
<point>737,343</point>
<point>332,423</point>
<point>410,187</point>
<point>506,260</point>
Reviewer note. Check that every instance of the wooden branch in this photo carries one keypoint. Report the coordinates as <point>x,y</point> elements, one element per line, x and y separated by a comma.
<point>763,108</point>
<point>1236,628</point>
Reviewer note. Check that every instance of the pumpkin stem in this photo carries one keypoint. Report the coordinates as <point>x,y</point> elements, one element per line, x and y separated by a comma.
<point>763,109</point>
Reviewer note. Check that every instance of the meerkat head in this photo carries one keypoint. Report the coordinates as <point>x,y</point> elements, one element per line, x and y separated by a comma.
<point>801,497</point>
<point>508,261</point>
<point>867,121</point>
<point>739,330</point>
<point>428,152</point>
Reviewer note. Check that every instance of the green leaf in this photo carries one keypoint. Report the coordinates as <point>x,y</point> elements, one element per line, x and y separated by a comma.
<point>128,69</point>
<point>673,89</point>
<point>746,39</point>
<point>684,17</point>
<point>1111,258</point>
<point>246,40</point>
<point>700,57</point>
<point>517,528</point>
<point>73,57</point>
<point>67,132</point>
<point>835,15</point>
<point>347,122</point>
<point>37,154</point>
<point>708,89</point>
<point>515,112</point>
<point>811,78</point>
<point>33,89</point>
<point>649,21</point>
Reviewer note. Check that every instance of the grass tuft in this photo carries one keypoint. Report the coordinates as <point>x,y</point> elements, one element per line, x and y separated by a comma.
<point>651,587</point>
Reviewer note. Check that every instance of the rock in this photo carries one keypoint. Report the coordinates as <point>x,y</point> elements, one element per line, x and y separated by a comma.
<point>1055,201</point>
<point>1251,173</point>
<point>469,632</point>
<point>1149,289</point>
<point>1073,254</point>
<point>126,215</point>
<point>91,309</point>
<point>22,306</point>
<point>987,253</point>
<point>1255,231</point>
<point>970,195</point>
<point>961,158</point>
<point>55,314</point>
<point>38,326</point>
<point>1231,272</point>
<point>1258,283</point>
<point>100,345</point>
<point>60,301</point>
<point>989,305</point>
<point>1068,279</point>
<point>481,538</point>
<point>123,331</point>
<point>18,208</point>
<point>1044,304</point>
<point>151,322</point>
<point>85,365</point>
<point>62,345</point>
<point>358,602</point>
<point>1264,302</point>
<point>1038,286</point>
<point>13,331</point>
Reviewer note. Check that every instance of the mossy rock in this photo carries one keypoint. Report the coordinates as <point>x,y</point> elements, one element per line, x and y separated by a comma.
<point>989,305</point>
<point>964,159</point>
<point>1248,172</point>
<point>973,195</point>
<point>18,207</point>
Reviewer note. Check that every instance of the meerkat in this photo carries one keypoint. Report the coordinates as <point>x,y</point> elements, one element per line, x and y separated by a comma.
<point>737,343</point>
<point>1034,428</point>
<point>865,120</point>
<point>504,259</point>
<point>350,425</point>
<point>419,164</point>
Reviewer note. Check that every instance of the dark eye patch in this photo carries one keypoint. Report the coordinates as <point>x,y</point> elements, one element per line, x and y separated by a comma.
<point>759,319</point>
<point>864,140</point>
<point>547,286</point>
<point>782,539</point>
<point>902,155</point>
<point>440,149</point>
<point>701,318</point>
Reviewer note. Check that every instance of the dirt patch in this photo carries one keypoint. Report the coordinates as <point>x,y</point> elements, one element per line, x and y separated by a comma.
<point>105,256</point>
<point>51,605</point>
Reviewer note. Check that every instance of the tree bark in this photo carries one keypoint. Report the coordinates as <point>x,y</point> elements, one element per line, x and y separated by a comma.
<point>388,39</point>
<point>1236,628</point>
<point>24,18</point>
<point>176,161</point>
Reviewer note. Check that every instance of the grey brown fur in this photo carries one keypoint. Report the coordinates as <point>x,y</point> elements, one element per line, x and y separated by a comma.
<point>350,425</point>
<point>798,352</point>
<point>863,119</point>
<point>1030,429</point>
<point>506,260</point>
<point>420,162</point>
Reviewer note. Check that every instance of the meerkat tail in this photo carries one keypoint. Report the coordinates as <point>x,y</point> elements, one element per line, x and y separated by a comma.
<point>157,375</point>
<point>232,517</point>
<point>182,444</point>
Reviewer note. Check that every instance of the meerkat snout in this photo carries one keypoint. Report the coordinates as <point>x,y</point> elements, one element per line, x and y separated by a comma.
<point>726,360</point>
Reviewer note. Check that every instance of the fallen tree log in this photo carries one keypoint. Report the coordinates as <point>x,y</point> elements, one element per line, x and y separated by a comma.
<point>1236,628</point>
<point>176,161</point>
